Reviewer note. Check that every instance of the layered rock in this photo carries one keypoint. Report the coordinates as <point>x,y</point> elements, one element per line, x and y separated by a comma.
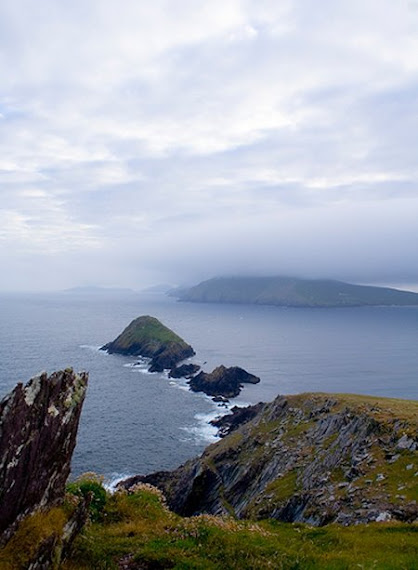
<point>312,458</point>
<point>38,428</point>
<point>147,336</point>
<point>222,381</point>
<point>228,423</point>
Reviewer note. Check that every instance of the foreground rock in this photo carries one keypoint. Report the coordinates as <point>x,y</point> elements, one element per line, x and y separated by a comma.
<point>226,382</point>
<point>38,428</point>
<point>147,336</point>
<point>312,458</point>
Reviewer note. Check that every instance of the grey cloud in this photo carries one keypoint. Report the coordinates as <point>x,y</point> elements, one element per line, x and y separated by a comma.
<point>142,143</point>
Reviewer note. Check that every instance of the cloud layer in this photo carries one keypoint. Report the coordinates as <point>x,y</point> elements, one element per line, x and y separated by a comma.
<point>145,142</point>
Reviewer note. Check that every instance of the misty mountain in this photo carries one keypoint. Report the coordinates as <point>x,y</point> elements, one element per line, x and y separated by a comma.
<point>292,292</point>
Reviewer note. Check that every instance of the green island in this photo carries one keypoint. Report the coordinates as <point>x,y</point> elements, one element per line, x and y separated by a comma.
<point>147,336</point>
<point>292,292</point>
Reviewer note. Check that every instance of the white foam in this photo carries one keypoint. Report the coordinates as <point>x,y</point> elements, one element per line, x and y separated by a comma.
<point>204,431</point>
<point>93,348</point>
<point>110,483</point>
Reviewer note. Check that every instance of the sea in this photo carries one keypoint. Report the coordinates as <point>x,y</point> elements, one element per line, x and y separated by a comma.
<point>134,422</point>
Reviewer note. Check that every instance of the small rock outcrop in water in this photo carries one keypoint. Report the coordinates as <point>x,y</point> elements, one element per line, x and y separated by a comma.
<point>222,381</point>
<point>38,428</point>
<point>312,458</point>
<point>147,336</point>
<point>230,422</point>
<point>184,371</point>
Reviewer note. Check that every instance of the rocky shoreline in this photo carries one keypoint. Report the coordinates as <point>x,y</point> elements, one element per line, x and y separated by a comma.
<point>312,458</point>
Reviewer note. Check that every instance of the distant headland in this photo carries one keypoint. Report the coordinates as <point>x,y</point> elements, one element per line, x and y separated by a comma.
<point>292,292</point>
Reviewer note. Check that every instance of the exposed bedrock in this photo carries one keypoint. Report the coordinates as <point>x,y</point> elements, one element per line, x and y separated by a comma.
<point>38,428</point>
<point>312,458</point>
<point>222,381</point>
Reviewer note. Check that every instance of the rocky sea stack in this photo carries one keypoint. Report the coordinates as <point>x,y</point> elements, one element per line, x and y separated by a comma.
<point>222,381</point>
<point>147,336</point>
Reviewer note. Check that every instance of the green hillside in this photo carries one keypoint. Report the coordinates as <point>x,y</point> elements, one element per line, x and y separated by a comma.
<point>293,292</point>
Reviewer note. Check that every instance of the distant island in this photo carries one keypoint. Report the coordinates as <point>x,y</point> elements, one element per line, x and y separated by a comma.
<point>94,290</point>
<point>292,292</point>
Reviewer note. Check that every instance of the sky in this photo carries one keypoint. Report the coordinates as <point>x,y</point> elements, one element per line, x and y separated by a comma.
<point>173,141</point>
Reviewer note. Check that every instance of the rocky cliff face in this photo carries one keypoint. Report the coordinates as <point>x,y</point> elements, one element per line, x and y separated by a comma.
<point>38,427</point>
<point>310,458</point>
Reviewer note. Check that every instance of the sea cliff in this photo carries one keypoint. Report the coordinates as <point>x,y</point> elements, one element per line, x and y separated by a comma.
<point>312,458</point>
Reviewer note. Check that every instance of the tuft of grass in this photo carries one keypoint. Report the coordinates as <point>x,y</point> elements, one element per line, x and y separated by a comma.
<point>90,484</point>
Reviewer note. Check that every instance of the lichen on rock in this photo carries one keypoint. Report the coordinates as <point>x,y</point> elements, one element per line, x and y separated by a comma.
<point>38,428</point>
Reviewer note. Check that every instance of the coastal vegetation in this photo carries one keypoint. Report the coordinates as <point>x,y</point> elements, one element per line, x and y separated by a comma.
<point>137,530</point>
<point>326,481</point>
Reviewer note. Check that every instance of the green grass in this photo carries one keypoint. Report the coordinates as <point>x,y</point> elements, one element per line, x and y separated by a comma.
<point>140,528</point>
<point>32,532</point>
<point>147,329</point>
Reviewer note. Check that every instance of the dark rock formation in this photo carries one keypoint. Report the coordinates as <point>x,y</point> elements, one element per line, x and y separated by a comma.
<point>38,427</point>
<point>230,422</point>
<point>184,371</point>
<point>147,336</point>
<point>311,458</point>
<point>222,381</point>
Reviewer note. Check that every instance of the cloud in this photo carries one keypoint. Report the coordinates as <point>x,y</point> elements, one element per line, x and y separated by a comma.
<point>175,142</point>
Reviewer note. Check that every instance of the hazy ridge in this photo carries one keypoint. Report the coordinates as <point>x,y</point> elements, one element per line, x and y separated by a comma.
<point>292,292</point>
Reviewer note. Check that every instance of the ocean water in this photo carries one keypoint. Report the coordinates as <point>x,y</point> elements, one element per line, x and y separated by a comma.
<point>136,422</point>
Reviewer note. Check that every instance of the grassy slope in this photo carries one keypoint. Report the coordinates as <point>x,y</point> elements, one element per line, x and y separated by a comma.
<point>139,529</point>
<point>147,330</point>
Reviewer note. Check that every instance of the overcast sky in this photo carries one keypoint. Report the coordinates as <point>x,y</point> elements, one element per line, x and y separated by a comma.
<point>174,140</point>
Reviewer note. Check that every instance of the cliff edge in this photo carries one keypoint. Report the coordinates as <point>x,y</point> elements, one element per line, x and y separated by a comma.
<point>312,458</point>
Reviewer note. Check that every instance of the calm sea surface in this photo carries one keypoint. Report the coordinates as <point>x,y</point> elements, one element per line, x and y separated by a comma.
<point>136,422</point>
